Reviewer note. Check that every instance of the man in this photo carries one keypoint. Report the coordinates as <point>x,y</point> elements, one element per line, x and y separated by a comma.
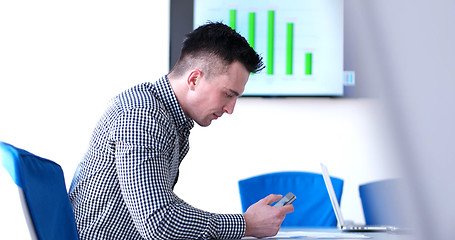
<point>123,188</point>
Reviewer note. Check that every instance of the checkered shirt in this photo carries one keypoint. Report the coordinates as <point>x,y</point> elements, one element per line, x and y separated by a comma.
<point>123,187</point>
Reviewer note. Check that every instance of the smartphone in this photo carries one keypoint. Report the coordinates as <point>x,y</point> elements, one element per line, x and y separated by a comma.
<point>287,199</point>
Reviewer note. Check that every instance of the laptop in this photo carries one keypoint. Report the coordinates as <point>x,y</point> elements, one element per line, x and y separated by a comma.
<point>336,207</point>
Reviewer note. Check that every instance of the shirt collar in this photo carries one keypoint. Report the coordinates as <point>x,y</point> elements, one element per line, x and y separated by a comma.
<point>167,96</point>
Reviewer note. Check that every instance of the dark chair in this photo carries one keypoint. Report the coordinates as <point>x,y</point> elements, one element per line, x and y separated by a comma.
<point>312,208</point>
<point>382,203</point>
<point>43,194</point>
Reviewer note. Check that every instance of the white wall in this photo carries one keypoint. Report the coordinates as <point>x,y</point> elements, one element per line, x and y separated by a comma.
<point>60,63</point>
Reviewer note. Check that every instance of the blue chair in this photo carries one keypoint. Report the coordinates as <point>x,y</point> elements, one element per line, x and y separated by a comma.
<point>382,203</point>
<point>312,208</point>
<point>42,190</point>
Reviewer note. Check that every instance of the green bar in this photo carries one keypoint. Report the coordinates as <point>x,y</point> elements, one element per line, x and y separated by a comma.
<point>289,47</point>
<point>270,40</point>
<point>232,18</point>
<point>251,28</point>
<point>308,63</point>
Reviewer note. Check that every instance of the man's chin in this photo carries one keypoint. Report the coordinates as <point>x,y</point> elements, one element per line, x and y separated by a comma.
<point>205,123</point>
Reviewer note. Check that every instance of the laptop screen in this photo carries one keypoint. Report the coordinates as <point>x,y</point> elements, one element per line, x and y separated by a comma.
<point>331,191</point>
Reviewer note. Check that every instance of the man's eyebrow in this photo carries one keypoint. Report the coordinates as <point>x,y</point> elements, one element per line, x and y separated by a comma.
<point>234,92</point>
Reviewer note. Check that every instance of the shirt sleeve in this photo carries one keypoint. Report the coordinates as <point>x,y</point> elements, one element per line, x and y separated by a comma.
<point>144,153</point>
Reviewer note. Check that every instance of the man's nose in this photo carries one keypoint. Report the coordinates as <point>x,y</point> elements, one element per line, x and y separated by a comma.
<point>229,107</point>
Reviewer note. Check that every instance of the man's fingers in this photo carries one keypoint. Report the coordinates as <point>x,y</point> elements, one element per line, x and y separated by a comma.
<point>271,199</point>
<point>262,219</point>
<point>287,208</point>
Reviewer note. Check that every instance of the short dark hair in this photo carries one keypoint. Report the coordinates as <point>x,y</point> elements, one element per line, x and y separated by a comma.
<point>216,39</point>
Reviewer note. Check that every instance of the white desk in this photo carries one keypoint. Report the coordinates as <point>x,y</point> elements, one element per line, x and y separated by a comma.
<point>332,233</point>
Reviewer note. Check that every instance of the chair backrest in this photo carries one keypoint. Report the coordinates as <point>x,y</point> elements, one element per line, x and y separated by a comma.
<point>45,201</point>
<point>312,208</point>
<point>382,203</point>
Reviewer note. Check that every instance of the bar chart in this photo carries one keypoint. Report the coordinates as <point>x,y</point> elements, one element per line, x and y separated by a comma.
<point>301,42</point>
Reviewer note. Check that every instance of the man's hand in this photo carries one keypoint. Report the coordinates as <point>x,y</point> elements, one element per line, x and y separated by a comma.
<point>263,220</point>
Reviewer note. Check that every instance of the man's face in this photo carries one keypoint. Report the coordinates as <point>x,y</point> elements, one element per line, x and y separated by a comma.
<point>211,98</point>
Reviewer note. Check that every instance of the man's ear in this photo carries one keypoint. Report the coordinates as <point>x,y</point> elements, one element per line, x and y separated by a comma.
<point>194,78</point>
